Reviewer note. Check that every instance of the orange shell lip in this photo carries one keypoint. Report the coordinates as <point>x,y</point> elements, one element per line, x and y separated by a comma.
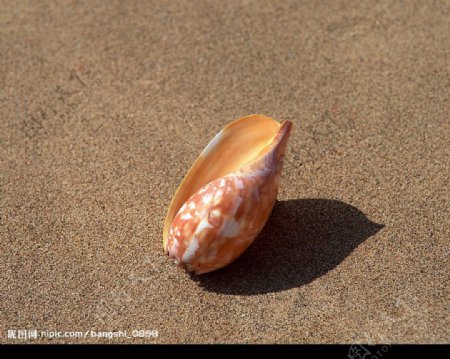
<point>227,195</point>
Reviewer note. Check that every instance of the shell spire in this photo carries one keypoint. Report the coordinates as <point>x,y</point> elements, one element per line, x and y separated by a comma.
<point>271,157</point>
<point>225,205</point>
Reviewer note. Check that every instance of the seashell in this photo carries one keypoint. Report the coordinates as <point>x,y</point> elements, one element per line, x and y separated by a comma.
<point>227,195</point>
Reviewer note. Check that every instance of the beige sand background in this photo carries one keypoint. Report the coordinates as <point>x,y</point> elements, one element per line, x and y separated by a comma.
<point>104,105</point>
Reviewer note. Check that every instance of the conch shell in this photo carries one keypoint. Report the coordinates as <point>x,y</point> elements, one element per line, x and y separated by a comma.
<point>228,194</point>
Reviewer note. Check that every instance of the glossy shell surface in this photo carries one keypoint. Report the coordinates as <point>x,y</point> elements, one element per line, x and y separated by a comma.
<point>219,220</point>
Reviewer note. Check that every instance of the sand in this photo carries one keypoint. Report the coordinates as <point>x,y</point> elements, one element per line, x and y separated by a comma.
<point>104,105</point>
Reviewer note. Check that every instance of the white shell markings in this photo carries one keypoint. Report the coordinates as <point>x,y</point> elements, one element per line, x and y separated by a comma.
<point>204,224</point>
<point>231,228</point>
<point>207,198</point>
<point>176,245</point>
<point>236,204</point>
<point>218,194</point>
<point>186,216</point>
<point>239,184</point>
<point>190,250</point>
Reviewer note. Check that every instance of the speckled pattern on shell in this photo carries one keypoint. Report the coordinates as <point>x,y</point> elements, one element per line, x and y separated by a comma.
<point>218,223</point>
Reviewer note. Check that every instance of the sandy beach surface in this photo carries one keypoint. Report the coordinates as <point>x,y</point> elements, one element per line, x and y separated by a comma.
<point>104,105</point>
